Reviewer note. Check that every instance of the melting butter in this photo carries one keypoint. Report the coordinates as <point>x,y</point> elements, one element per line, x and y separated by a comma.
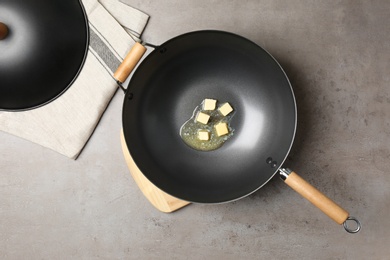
<point>194,132</point>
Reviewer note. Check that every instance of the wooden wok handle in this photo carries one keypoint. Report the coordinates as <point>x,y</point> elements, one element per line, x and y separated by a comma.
<point>129,63</point>
<point>318,199</point>
<point>3,31</point>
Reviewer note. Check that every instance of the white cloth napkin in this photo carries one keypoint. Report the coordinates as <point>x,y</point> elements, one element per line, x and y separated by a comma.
<point>66,124</point>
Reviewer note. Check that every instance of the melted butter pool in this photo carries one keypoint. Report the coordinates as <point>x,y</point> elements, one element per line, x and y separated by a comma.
<point>189,130</point>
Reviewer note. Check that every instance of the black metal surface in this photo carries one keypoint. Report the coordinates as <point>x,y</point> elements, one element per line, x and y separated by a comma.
<point>43,52</point>
<point>173,80</point>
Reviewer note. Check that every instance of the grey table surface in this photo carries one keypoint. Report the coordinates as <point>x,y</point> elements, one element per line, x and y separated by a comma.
<point>337,56</point>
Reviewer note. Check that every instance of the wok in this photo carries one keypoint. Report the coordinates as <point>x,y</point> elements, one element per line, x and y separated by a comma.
<point>173,79</point>
<point>43,46</point>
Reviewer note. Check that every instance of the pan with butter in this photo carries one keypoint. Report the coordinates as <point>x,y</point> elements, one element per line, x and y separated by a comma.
<point>176,78</point>
<point>173,79</point>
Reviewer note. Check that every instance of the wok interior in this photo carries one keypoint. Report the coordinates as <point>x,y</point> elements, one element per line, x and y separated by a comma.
<point>169,85</point>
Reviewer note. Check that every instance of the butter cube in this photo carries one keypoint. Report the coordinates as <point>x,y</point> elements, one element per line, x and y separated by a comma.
<point>221,129</point>
<point>203,135</point>
<point>225,109</point>
<point>202,118</point>
<point>209,104</point>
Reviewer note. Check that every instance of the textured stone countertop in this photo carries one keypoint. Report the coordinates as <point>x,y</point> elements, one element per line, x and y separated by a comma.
<point>337,56</point>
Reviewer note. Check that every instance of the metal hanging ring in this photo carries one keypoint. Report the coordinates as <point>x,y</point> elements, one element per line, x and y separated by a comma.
<point>358,225</point>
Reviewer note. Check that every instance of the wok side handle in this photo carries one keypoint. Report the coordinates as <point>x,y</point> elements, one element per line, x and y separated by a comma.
<point>129,63</point>
<point>318,199</point>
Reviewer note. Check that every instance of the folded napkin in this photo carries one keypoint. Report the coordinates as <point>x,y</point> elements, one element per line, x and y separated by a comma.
<point>66,124</point>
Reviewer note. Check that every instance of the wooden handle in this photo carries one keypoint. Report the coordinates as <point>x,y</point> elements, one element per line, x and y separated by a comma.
<point>129,63</point>
<point>3,31</point>
<point>328,206</point>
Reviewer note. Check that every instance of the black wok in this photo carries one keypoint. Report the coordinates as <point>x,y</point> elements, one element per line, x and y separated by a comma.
<point>174,79</point>
<point>43,46</point>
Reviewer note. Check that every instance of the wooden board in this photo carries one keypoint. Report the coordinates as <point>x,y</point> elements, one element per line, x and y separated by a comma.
<point>159,199</point>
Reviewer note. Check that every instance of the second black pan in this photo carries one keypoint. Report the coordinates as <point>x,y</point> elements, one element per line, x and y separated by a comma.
<point>42,51</point>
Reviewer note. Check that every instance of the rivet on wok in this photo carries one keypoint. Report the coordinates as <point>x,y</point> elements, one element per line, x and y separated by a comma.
<point>130,97</point>
<point>163,50</point>
<point>269,160</point>
<point>274,164</point>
